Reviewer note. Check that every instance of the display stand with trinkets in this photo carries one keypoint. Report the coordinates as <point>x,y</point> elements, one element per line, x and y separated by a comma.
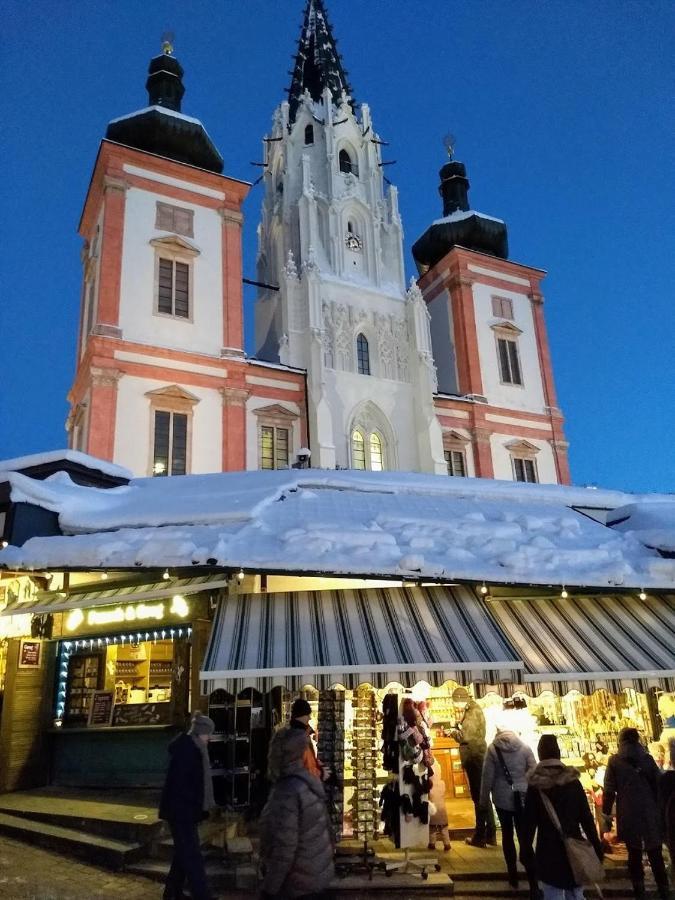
<point>331,751</point>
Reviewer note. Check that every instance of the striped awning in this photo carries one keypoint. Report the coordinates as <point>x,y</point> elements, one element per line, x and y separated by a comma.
<point>587,643</point>
<point>85,597</point>
<point>351,637</point>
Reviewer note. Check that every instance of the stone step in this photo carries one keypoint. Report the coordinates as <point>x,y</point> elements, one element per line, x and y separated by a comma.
<point>617,889</point>
<point>135,832</point>
<point>107,852</point>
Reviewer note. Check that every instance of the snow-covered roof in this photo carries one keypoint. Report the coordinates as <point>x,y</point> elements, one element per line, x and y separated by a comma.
<point>378,524</point>
<point>461,214</point>
<point>74,456</point>
<point>653,524</point>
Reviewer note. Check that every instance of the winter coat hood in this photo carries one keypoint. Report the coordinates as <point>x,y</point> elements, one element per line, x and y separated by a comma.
<point>633,753</point>
<point>286,751</point>
<point>550,773</point>
<point>507,741</point>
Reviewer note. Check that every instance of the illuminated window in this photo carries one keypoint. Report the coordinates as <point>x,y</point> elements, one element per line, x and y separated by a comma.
<point>362,355</point>
<point>375,453</point>
<point>273,447</point>
<point>358,451</point>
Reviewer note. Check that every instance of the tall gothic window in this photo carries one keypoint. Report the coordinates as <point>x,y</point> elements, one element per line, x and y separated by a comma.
<point>367,450</point>
<point>358,450</point>
<point>376,453</point>
<point>346,164</point>
<point>362,355</point>
<point>309,134</point>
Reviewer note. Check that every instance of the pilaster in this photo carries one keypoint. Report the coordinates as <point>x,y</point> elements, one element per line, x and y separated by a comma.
<point>233,298</point>
<point>102,412</point>
<point>234,428</point>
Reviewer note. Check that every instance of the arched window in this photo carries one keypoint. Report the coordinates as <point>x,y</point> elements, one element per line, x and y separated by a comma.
<point>309,134</point>
<point>346,164</point>
<point>358,450</point>
<point>375,453</point>
<point>350,228</point>
<point>362,355</point>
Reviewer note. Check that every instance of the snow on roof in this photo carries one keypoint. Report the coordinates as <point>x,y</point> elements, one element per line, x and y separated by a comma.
<point>395,524</point>
<point>653,524</point>
<point>75,456</point>
<point>162,109</point>
<point>461,214</point>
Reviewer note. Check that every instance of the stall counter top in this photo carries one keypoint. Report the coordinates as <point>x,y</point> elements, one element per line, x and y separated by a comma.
<point>114,728</point>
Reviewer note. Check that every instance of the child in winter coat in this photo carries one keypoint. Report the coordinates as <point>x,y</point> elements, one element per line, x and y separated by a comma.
<point>438,815</point>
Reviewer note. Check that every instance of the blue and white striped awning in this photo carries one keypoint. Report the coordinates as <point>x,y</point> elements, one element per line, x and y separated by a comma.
<point>591,642</point>
<point>351,637</point>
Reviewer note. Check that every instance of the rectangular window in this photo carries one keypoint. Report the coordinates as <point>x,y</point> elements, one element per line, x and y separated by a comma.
<point>502,307</point>
<point>525,469</point>
<point>170,449</point>
<point>175,219</point>
<point>173,292</point>
<point>455,462</point>
<point>509,364</point>
<point>273,447</point>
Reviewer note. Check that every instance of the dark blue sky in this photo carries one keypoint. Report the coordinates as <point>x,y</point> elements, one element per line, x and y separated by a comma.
<point>564,117</point>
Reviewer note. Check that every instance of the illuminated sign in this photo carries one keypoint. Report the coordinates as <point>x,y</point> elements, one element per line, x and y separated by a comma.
<point>127,613</point>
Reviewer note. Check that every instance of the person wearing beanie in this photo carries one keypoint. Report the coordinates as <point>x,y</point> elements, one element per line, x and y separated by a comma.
<point>561,785</point>
<point>632,779</point>
<point>186,799</point>
<point>301,713</point>
<point>296,848</point>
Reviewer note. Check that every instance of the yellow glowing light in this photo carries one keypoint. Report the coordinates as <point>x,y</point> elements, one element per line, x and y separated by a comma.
<point>74,619</point>
<point>179,606</point>
<point>125,613</point>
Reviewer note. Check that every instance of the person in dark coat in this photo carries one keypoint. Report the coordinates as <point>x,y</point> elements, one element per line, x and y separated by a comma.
<point>508,750</point>
<point>186,799</point>
<point>296,849</point>
<point>470,735</point>
<point>667,804</point>
<point>632,779</point>
<point>561,784</point>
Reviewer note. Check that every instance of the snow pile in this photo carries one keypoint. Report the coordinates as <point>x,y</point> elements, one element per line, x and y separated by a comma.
<point>75,456</point>
<point>651,523</point>
<point>460,214</point>
<point>400,525</point>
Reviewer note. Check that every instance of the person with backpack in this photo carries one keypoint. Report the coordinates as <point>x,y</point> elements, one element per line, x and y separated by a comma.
<point>632,779</point>
<point>556,807</point>
<point>507,763</point>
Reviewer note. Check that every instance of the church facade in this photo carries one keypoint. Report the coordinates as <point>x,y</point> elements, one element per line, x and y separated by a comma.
<point>353,366</point>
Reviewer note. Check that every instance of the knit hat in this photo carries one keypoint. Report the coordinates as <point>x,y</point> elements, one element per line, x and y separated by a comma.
<point>629,736</point>
<point>300,708</point>
<point>548,748</point>
<point>200,724</point>
<point>461,695</point>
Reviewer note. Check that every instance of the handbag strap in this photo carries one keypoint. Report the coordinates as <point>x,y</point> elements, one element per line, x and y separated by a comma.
<point>552,814</point>
<point>505,768</point>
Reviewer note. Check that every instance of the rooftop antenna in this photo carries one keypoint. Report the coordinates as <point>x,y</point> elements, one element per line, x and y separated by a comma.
<point>168,38</point>
<point>449,142</point>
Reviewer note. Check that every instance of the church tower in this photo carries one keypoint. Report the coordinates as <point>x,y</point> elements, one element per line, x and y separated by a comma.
<point>331,258</point>
<point>496,398</point>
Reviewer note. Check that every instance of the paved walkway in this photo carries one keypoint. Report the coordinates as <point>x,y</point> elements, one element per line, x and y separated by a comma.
<point>30,873</point>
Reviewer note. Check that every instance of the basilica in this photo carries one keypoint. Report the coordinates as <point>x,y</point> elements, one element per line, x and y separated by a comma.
<point>354,367</point>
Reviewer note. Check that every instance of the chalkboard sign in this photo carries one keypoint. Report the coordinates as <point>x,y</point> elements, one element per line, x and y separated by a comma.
<point>101,709</point>
<point>30,654</point>
<point>142,714</point>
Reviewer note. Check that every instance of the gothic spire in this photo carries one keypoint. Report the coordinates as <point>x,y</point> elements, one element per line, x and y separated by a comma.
<point>317,63</point>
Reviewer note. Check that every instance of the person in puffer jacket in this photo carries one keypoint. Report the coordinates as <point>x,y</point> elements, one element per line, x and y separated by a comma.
<point>510,801</point>
<point>296,849</point>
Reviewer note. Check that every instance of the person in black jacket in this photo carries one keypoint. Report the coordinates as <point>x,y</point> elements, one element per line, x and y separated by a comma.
<point>186,799</point>
<point>560,783</point>
<point>632,778</point>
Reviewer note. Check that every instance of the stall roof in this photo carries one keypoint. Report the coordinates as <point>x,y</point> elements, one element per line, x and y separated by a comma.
<point>366,524</point>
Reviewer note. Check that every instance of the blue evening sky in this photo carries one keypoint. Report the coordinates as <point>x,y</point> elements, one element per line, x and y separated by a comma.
<point>564,117</point>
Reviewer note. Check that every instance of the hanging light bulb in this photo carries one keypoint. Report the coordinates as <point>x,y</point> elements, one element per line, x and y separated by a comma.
<point>240,575</point>
<point>166,575</point>
<point>483,589</point>
<point>564,593</point>
<point>104,576</point>
<point>642,594</point>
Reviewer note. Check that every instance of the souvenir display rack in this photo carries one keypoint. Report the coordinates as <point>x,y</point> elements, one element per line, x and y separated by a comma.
<point>331,751</point>
<point>237,748</point>
<point>84,676</point>
<point>364,765</point>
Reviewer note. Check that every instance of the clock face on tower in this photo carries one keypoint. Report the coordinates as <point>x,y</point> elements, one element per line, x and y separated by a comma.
<point>353,241</point>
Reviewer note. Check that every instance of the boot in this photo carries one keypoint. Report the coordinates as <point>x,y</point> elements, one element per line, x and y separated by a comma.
<point>639,890</point>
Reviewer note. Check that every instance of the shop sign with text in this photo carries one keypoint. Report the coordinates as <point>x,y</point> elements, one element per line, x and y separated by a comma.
<point>127,615</point>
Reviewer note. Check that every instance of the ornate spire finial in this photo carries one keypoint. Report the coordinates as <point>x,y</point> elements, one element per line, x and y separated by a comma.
<point>449,142</point>
<point>167,43</point>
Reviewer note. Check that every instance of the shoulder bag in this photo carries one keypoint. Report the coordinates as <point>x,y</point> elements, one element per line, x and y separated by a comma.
<point>583,860</point>
<point>517,799</point>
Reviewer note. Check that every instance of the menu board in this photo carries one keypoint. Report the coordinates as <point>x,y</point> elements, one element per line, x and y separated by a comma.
<point>30,654</point>
<point>102,707</point>
<point>142,714</point>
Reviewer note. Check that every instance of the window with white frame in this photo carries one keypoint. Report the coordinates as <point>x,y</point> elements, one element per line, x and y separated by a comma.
<point>362,355</point>
<point>367,450</point>
<point>173,288</point>
<point>274,447</point>
<point>509,361</point>
<point>455,461</point>
<point>524,469</point>
<point>502,307</point>
<point>170,443</point>
<point>174,218</point>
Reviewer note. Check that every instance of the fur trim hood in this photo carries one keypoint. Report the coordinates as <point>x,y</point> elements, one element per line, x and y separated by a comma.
<point>551,773</point>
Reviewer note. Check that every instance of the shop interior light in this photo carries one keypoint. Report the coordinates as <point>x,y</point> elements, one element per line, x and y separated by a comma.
<point>166,575</point>
<point>4,544</point>
<point>104,576</point>
<point>642,594</point>
<point>483,589</point>
<point>564,593</point>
